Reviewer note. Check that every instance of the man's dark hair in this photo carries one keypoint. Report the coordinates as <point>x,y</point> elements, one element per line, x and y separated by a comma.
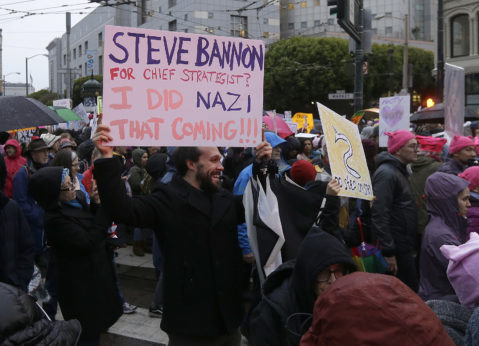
<point>182,154</point>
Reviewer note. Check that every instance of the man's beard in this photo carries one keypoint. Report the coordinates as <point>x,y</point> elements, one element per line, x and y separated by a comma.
<point>206,184</point>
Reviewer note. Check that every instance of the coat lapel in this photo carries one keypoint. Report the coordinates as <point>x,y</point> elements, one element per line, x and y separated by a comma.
<point>221,204</point>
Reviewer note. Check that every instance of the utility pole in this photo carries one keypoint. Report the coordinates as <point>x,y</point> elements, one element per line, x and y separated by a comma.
<point>405,62</point>
<point>1,62</point>
<point>358,61</point>
<point>440,53</point>
<point>68,74</point>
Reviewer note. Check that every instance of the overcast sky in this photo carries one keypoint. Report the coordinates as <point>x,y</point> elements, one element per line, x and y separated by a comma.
<point>28,26</point>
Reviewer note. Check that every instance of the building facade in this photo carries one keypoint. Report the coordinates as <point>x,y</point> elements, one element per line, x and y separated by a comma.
<point>238,18</point>
<point>461,42</point>
<point>312,18</point>
<point>17,89</point>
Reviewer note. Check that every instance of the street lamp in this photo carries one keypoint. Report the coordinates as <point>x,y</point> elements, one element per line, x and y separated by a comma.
<point>26,69</point>
<point>3,81</point>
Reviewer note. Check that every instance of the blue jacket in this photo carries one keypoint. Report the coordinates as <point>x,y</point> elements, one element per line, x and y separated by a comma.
<point>240,186</point>
<point>32,211</point>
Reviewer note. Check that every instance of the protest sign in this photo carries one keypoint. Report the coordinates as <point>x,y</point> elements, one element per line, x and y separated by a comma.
<point>393,115</point>
<point>81,112</point>
<point>304,121</point>
<point>346,155</point>
<point>178,89</point>
<point>67,103</point>
<point>454,100</point>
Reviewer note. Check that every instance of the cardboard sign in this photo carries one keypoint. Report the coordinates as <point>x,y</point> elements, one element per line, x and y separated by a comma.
<point>346,155</point>
<point>178,89</point>
<point>393,115</point>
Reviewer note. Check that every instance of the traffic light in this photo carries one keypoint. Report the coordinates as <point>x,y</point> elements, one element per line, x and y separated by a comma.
<point>338,8</point>
<point>430,102</point>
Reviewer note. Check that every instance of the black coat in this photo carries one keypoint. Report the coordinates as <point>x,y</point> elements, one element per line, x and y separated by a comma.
<point>85,284</point>
<point>17,249</point>
<point>23,323</point>
<point>198,237</point>
<point>394,212</point>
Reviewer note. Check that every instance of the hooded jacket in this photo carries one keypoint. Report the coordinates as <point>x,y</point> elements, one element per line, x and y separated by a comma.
<point>13,165</point>
<point>421,170</point>
<point>444,227</point>
<point>394,212</point>
<point>373,309</point>
<point>137,173</point>
<point>22,322</point>
<point>85,280</point>
<point>288,293</point>
<point>452,166</point>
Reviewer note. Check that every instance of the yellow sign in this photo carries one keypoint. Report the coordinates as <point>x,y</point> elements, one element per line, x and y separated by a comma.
<point>346,155</point>
<point>300,118</point>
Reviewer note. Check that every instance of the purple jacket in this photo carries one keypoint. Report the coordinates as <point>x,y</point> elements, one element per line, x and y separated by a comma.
<point>444,227</point>
<point>473,214</point>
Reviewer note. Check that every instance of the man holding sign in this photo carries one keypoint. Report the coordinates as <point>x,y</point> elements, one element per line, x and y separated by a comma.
<point>394,212</point>
<point>195,223</point>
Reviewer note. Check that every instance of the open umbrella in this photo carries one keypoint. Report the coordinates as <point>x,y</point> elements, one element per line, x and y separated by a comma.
<point>19,112</point>
<point>65,113</point>
<point>435,114</point>
<point>281,127</point>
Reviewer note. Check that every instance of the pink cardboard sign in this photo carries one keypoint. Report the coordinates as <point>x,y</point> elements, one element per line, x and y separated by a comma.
<point>177,89</point>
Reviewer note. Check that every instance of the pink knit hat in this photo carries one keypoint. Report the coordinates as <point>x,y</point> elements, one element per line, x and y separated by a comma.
<point>462,270</point>
<point>460,142</point>
<point>397,139</point>
<point>472,176</point>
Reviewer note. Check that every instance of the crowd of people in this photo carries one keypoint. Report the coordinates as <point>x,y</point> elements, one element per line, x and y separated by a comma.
<point>68,200</point>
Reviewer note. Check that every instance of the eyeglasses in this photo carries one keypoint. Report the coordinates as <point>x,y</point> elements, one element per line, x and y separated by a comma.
<point>68,188</point>
<point>326,276</point>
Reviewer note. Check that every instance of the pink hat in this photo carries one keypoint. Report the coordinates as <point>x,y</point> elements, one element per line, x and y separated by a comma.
<point>472,176</point>
<point>427,143</point>
<point>462,270</point>
<point>397,139</point>
<point>460,142</point>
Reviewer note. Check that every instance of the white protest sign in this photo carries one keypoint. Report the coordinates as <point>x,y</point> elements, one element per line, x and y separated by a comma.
<point>81,112</point>
<point>346,155</point>
<point>67,103</point>
<point>454,97</point>
<point>178,89</point>
<point>393,115</point>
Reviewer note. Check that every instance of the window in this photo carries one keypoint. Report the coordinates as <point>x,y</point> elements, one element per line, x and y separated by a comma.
<point>290,26</point>
<point>331,21</point>
<point>389,30</point>
<point>265,21</point>
<point>86,46</point>
<point>210,15</point>
<point>239,26</point>
<point>74,53</point>
<point>316,3</point>
<point>86,70</point>
<point>171,3</point>
<point>186,30</point>
<point>186,17</point>
<point>290,6</point>
<point>100,64</point>
<point>460,35</point>
<point>304,25</point>
<point>159,9</point>
<point>317,22</point>
<point>304,4</point>
<point>265,34</point>
<point>64,59</point>
<point>79,51</point>
<point>172,25</point>
<point>472,89</point>
<point>100,39</point>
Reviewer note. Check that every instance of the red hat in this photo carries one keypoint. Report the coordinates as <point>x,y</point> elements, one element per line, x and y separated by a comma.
<point>302,172</point>
<point>397,139</point>
<point>433,144</point>
<point>460,142</point>
<point>472,176</point>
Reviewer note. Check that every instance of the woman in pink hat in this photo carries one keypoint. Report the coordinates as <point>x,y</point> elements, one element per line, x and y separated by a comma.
<point>461,151</point>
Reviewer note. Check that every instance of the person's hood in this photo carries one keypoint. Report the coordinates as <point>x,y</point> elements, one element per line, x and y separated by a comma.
<point>373,309</point>
<point>45,185</point>
<point>136,156</point>
<point>277,141</point>
<point>273,139</point>
<point>85,149</point>
<point>156,165</point>
<point>441,191</point>
<point>386,157</point>
<point>14,143</point>
<point>318,251</point>
<point>421,162</point>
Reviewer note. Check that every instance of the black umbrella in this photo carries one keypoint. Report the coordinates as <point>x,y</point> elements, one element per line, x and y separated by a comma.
<point>19,112</point>
<point>435,114</point>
